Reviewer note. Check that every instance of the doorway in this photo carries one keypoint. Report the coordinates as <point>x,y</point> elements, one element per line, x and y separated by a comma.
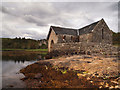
<point>52,43</point>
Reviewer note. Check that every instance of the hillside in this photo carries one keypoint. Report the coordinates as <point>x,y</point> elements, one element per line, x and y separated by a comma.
<point>22,43</point>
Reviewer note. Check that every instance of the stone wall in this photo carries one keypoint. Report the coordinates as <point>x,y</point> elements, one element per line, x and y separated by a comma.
<point>85,37</point>
<point>63,38</point>
<point>52,38</point>
<point>102,33</point>
<point>83,48</point>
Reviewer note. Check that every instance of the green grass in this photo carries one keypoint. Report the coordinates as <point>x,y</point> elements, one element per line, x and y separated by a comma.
<point>116,45</point>
<point>25,50</point>
<point>36,50</point>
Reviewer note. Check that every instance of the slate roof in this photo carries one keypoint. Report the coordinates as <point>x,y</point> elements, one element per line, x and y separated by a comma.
<point>61,30</point>
<point>88,28</point>
<point>69,31</point>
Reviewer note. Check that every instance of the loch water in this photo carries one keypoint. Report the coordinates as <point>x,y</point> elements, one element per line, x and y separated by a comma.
<point>11,65</point>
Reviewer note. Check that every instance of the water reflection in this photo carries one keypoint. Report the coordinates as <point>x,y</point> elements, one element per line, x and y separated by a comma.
<point>11,75</point>
<point>11,64</point>
<point>24,57</point>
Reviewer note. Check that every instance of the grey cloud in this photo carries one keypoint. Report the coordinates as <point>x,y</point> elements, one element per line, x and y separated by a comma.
<point>41,15</point>
<point>3,9</point>
<point>114,6</point>
<point>7,11</point>
<point>33,34</point>
<point>32,19</point>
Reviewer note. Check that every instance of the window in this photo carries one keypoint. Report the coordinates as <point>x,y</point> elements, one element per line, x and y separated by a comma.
<point>71,38</point>
<point>102,34</point>
<point>64,37</point>
<point>52,42</point>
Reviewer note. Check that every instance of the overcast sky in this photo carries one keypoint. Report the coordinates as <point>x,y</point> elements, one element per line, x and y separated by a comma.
<point>33,20</point>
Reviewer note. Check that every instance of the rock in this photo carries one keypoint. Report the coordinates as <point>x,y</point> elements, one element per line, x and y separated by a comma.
<point>88,78</point>
<point>100,86</point>
<point>114,60</point>
<point>117,86</point>
<point>38,76</point>
<point>115,82</point>
<point>10,86</point>
<point>111,87</point>
<point>84,75</point>
<point>39,57</point>
<point>40,81</point>
<point>65,64</point>
<point>17,73</point>
<point>101,83</point>
<point>88,62</point>
<point>96,74</point>
<point>25,78</point>
<point>79,75</point>
<point>87,57</point>
<point>107,85</point>
<point>91,81</point>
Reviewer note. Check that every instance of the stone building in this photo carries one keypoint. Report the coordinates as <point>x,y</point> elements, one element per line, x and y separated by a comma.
<point>97,32</point>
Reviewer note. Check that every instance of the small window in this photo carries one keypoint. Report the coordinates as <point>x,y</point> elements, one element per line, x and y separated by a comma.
<point>52,42</point>
<point>102,34</point>
<point>64,37</point>
<point>71,38</point>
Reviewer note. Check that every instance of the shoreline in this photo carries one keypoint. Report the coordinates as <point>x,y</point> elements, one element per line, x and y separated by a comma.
<point>84,71</point>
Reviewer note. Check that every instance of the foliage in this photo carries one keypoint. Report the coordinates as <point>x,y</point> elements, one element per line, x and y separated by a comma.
<point>64,71</point>
<point>116,38</point>
<point>22,43</point>
<point>43,46</point>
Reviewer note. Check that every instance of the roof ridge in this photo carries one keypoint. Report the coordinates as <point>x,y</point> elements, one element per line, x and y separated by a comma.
<point>89,25</point>
<point>62,27</point>
<point>88,28</point>
<point>61,30</point>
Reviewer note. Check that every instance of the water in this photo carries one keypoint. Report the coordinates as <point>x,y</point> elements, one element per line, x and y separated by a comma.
<point>10,73</point>
<point>11,66</point>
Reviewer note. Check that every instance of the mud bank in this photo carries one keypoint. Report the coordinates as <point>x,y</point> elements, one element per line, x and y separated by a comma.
<point>66,72</point>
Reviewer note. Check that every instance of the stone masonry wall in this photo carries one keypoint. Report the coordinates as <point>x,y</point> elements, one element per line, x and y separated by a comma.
<point>84,48</point>
<point>85,37</point>
<point>53,37</point>
<point>63,38</point>
<point>102,33</point>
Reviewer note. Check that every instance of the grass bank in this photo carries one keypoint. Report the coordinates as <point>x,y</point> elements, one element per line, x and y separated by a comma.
<point>24,54</point>
<point>45,50</point>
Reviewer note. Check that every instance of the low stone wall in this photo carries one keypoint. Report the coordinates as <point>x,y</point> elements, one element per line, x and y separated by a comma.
<point>66,47</point>
<point>83,48</point>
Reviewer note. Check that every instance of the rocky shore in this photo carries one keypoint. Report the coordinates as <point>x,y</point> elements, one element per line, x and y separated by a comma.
<point>77,71</point>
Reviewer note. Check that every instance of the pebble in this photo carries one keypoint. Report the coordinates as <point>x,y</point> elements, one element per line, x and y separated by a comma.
<point>107,85</point>
<point>91,81</point>
<point>79,75</point>
<point>88,78</point>
<point>117,86</point>
<point>39,75</point>
<point>111,87</point>
<point>84,75</point>
<point>100,86</point>
<point>101,83</point>
<point>98,76</point>
<point>115,82</point>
